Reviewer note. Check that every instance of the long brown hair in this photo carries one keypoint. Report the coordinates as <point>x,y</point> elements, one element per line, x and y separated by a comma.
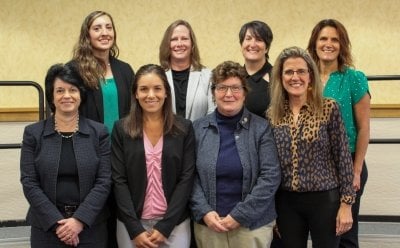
<point>92,69</point>
<point>279,95</point>
<point>133,122</point>
<point>165,51</point>
<point>345,59</point>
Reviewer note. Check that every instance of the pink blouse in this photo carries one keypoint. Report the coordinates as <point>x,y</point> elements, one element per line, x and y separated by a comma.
<point>155,204</point>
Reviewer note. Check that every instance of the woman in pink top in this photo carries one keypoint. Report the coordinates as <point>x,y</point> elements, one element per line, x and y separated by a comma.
<point>153,165</point>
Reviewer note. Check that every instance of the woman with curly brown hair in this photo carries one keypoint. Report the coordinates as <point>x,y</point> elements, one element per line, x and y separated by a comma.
<point>107,79</point>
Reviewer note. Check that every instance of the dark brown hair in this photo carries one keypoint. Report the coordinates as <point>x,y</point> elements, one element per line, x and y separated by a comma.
<point>133,123</point>
<point>345,59</point>
<point>66,73</point>
<point>260,30</point>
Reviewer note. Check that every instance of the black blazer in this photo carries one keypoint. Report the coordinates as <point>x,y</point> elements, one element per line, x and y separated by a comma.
<point>123,75</point>
<point>40,155</point>
<point>130,177</point>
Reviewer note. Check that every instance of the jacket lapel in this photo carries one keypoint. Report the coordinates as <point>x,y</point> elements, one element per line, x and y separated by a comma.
<point>171,85</point>
<point>194,80</point>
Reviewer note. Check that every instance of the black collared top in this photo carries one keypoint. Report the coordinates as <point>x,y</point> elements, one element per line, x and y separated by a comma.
<point>258,99</point>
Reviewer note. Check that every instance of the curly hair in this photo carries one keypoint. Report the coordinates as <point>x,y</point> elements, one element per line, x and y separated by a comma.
<point>91,68</point>
<point>228,69</point>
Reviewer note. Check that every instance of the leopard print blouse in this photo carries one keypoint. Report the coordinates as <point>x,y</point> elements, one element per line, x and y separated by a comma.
<point>314,152</point>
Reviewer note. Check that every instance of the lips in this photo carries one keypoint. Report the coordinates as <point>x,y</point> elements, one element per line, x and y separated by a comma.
<point>105,41</point>
<point>296,85</point>
<point>180,50</point>
<point>67,103</point>
<point>151,102</point>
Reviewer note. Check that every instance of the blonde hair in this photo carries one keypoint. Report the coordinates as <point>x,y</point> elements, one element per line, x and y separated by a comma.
<point>279,95</point>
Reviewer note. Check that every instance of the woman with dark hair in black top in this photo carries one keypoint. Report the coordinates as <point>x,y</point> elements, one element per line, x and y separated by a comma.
<point>255,39</point>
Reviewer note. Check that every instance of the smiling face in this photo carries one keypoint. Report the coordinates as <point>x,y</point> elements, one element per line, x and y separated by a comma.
<point>229,96</point>
<point>253,48</point>
<point>327,45</point>
<point>296,78</point>
<point>151,93</point>
<point>101,34</point>
<point>66,97</point>
<point>181,44</point>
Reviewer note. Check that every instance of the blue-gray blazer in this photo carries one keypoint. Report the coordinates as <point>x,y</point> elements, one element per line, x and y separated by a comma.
<point>261,170</point>
<point>40,155</point>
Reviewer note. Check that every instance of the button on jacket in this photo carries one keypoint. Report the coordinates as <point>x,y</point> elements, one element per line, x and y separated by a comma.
<point>261,171</point>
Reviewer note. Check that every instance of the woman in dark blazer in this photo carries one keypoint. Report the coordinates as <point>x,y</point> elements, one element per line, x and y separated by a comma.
<point>107,79</point>
<point>65,169</point>
<point>93,108</point>
<point>152,167</point>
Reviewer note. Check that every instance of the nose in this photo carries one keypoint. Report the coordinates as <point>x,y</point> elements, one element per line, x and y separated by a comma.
<point>179,42</point>
<point>66,94</point>
<point>295,76</point>
<point>328,42</point>
<point>151,93</point>
<point>228,92</point>
<point>104,31</point>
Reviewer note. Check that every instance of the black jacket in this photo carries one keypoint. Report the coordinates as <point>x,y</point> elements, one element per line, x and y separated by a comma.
<point>123,75</point>
<point>130,177</point>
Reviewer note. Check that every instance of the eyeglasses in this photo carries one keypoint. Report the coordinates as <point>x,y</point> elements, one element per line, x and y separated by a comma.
<point>224,88</point>
<point>300,72</point>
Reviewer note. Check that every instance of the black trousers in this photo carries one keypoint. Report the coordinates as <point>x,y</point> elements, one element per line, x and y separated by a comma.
<point>301,214</point>
<point>350,238</point>
<point>112,222</point>
<point>93,237</point>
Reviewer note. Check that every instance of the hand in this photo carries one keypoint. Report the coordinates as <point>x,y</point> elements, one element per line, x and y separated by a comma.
<point>276,231</point>
<point>68,230</point>
<point>156,237</point>
<point>213,220</point>
<point>344,219</point>
<point>73,242</point>
<point>229,223</point>
<point>356,182</point>
<point>143,241</point>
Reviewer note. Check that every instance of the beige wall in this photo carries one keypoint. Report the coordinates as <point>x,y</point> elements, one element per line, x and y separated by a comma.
<point>37,33</point>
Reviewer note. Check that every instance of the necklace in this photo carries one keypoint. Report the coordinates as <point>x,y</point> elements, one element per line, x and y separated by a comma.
<point>70,135</point>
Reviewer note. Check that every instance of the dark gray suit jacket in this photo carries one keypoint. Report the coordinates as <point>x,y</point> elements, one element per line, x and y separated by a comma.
<point>40,155</point>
